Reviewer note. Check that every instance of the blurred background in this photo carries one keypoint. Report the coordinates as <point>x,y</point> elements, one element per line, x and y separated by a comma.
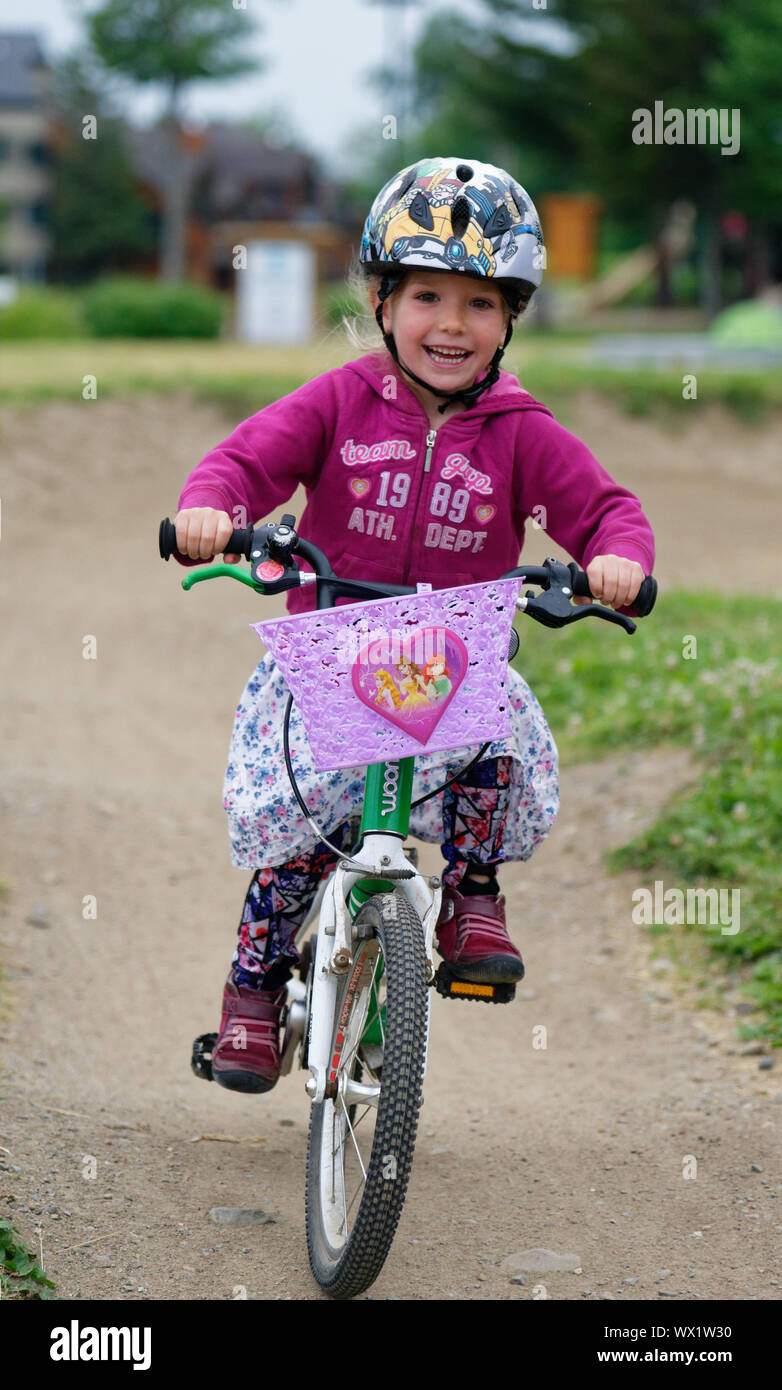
<point>233,147</point>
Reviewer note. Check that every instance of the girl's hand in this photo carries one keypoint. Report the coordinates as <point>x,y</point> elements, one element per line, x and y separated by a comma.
<point>613,580</point>
<point>202,532</point>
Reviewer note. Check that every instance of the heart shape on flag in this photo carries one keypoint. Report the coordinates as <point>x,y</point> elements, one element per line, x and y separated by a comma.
<point>485,512</point>
<point>358,486</point>
<point>410,678</point>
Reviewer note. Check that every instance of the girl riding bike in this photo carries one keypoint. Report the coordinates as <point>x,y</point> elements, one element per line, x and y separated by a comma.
<point>422,462</point>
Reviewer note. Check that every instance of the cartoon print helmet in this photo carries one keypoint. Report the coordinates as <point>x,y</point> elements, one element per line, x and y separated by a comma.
<point>458,215</point>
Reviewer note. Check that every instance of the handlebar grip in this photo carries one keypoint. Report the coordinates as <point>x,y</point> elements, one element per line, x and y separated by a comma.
<point>643,603</point>
<point>239,544</point>
<point>645,599</point>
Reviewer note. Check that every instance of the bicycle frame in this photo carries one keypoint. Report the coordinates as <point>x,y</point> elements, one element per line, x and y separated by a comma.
<point>378,867</point>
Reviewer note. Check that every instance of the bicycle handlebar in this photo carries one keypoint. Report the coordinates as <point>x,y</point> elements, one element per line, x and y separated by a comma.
<point>270,550</point>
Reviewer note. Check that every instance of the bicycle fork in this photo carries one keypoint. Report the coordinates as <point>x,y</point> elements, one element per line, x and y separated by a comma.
<point>381,859</point>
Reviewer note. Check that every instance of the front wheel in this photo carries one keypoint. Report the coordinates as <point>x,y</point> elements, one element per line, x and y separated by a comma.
<point>362,1137</point>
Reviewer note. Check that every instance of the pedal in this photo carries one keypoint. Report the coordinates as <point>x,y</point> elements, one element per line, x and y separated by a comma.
<point>450,986</point>
<point>201,1060</point>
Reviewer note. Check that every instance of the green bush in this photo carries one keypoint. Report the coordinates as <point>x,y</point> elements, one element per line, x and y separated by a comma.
<point>120,307</point>
<point>751,324</point>
<point>41,312</point>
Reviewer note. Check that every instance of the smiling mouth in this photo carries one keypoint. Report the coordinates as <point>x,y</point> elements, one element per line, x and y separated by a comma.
<point>446,357</point>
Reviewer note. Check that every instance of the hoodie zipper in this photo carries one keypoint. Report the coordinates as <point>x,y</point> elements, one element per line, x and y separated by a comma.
<point>430,438</point>
<point>430,441</point>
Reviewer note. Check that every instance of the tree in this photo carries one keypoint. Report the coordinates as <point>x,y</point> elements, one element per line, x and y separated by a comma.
<point>173,42</point>
<point>97,220</point>
<point>569,105</point>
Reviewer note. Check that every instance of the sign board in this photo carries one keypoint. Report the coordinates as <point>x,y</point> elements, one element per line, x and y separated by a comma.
<point>275,293</point>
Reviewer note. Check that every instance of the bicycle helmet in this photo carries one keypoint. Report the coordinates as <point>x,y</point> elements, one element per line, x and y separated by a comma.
<point>460,216</point>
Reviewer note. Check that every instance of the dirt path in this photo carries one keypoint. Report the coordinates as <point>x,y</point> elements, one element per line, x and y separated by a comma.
<point>111,788</point>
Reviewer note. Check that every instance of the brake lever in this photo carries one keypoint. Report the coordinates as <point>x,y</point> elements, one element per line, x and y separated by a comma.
<point>554,609</point>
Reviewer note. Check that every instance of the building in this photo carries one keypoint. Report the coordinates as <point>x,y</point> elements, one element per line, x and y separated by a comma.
<point>25,157</point>
<point>242,188</point>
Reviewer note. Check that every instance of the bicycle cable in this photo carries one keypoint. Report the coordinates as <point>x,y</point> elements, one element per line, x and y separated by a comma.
<point>304,807</point>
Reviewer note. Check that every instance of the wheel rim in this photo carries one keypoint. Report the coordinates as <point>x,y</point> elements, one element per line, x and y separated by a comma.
<point>349,1119</point>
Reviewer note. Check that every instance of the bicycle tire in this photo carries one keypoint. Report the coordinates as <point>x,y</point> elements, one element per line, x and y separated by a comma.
<point>390,925</point>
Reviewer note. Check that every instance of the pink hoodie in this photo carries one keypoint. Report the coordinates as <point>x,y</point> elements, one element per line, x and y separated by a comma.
<point>394,500</point>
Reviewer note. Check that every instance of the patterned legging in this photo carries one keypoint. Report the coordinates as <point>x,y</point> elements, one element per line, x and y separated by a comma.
<point>475,811</point>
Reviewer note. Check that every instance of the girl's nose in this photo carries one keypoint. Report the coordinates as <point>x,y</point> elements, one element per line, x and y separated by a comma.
<point>451,318</point>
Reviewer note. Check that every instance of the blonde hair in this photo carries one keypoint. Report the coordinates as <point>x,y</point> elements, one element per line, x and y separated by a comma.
<point>389,684</point>
<point>361,328</point>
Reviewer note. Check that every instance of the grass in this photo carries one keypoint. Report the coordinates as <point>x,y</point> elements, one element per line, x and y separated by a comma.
<point>704,671</point>
<point>243,378</point>
<point>35,372</point>
<point>21,1276</point>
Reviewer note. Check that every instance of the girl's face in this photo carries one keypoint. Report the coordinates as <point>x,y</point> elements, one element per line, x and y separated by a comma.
<point>446,327</point>
<point>437,668</point>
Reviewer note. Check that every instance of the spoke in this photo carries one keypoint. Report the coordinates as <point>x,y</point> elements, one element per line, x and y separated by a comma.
<point>342,1184</point>
<point>368,1110</point>
<point>352,1200</point>
<point>346,1065</point>
<point>344,1208</point>
<point>334,1169</point>
<point>341,1123</point>
<point>353,1137</point>
<point>377,1014</point>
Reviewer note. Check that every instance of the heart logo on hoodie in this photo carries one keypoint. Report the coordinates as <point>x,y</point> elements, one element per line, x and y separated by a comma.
<point>358,486</point>
<point>485,513</point>
<point>411,681</point>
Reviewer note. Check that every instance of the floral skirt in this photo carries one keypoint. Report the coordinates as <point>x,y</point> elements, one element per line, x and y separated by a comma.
<point>267,828</point>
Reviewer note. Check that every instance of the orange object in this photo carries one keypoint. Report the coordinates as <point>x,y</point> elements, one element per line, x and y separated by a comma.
<point>570,225</point>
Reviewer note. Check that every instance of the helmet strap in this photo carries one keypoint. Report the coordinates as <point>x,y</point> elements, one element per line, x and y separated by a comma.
<point>470,394</point>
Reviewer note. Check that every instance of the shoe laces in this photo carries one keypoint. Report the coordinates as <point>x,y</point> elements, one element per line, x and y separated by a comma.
<point>489,926</point>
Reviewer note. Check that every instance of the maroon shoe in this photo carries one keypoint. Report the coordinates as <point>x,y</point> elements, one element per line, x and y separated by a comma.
<point>246,1056</point>
<point>473,940</point>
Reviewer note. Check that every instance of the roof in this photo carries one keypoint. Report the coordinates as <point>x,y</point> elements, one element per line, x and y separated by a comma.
<point>232,163</point>
<point>21,61</point>
<point>222,151</point>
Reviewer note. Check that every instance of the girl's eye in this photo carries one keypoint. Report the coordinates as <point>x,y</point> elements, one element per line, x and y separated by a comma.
<point>428,295</point>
